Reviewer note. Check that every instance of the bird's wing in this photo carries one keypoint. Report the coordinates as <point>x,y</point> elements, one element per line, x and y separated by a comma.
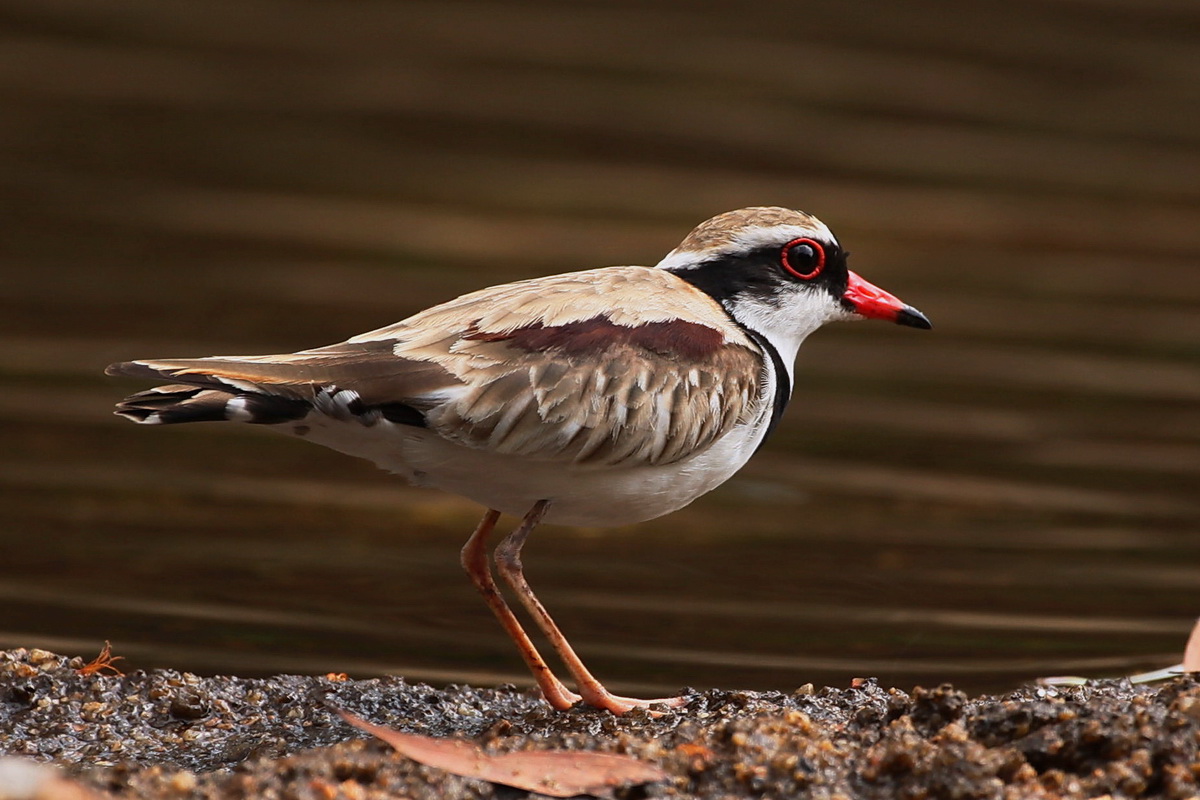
<point>610,366</point>
<point>371,370</point>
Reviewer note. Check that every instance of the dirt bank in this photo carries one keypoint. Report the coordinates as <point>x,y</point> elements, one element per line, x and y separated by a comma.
<point>171,734</point>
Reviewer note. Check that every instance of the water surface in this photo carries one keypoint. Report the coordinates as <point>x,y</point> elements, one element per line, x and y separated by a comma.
<point>1011,495</point>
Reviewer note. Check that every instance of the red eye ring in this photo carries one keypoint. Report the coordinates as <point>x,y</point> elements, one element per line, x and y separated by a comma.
<point>813,270</point>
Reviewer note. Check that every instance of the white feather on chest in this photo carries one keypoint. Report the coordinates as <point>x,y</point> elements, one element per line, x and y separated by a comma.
<point>585,495</point>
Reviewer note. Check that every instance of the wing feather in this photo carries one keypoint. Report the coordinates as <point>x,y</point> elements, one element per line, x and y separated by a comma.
<point>372,370</point>
<point>622,365</point>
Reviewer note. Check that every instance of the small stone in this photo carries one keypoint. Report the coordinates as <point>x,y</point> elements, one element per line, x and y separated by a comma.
<point>183,781</point>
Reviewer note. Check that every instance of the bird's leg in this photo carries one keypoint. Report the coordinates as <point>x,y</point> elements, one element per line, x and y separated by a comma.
<point>508,562</point>
<point>475,562</point>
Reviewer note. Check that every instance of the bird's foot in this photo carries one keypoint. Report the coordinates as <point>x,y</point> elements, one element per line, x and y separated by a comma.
<point>562,698</point>
<point>604,699</point>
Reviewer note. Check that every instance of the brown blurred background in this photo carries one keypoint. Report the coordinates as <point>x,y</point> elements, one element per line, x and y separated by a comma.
<point>1013,494</point>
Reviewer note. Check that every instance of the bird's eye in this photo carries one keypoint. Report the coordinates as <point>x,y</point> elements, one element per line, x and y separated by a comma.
<point>804,258</point>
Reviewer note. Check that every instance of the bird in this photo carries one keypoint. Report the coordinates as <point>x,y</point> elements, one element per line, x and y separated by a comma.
<point>602,397</point>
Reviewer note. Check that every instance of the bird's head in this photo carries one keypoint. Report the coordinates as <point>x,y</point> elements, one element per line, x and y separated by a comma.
<point>782,274</point>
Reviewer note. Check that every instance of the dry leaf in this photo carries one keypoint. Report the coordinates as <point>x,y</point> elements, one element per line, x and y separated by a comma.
<point>1191,663</point>
<point>1191,652</point>
<point>22,778</point>
<point>102,663</point>
<point>557,773</point>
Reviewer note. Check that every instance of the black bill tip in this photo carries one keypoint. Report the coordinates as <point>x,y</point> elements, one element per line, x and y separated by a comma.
<point>912,318</point>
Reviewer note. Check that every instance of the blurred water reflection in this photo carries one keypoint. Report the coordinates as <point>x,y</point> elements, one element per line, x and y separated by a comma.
<point>1011,495</point>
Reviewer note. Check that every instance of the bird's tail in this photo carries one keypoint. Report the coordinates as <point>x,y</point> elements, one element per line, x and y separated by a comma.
<point>206,398</point>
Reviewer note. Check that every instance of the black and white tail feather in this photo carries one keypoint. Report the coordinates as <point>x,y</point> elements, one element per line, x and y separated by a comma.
<point>178,403</point>
<point>204,398</point>
<point>212,397</point>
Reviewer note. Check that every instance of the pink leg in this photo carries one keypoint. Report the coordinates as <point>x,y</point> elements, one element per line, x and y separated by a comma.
<point>508,562</point>
<point>475,562</point>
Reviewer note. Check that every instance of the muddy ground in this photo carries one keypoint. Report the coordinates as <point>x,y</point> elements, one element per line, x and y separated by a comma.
<point>167,734</point>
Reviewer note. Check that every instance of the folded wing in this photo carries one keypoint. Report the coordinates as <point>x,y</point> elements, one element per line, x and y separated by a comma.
<point>555,368</point>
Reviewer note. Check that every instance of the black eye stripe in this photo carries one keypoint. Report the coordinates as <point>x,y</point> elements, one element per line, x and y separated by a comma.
<point>803,258</point>
<point>763,273</point>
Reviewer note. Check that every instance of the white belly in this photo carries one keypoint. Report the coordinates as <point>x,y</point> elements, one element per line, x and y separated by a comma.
<point>593,496</point>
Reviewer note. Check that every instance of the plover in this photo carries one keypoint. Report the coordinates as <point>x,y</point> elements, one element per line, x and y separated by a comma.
<point>597,398</point>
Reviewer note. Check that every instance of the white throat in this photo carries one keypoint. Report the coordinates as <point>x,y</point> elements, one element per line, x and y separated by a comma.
<point>786,323</point>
